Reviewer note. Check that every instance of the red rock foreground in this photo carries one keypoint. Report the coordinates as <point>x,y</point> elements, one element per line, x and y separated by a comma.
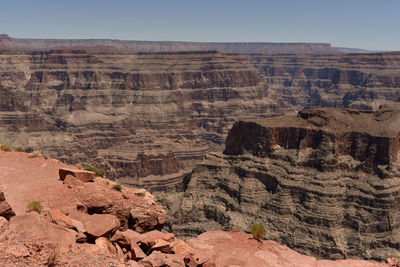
<point>91,224</point>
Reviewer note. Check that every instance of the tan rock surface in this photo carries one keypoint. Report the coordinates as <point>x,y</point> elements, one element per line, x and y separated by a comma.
<point>240,249</point>
<point>82,175</point>
<point>25,179</point>
<point>98,225</point>
<point>34,227</point>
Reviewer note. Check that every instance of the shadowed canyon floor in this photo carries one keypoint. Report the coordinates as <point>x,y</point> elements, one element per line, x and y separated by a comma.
<point>55,237</point>
<point>324,182</point>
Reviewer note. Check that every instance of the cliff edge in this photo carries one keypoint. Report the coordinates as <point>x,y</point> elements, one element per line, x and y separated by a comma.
<point>324,182</point>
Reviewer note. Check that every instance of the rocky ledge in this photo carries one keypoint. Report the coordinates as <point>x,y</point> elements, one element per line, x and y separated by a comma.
<point>87,221</point>
<point>325,183</point>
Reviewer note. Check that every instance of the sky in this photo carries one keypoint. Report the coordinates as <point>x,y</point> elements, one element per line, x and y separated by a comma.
<point>368,24</point>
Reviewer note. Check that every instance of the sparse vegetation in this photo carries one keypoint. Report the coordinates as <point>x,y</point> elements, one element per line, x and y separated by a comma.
<point>35,206</point>
<point>98,172</point>
<point>117,187</point>
<point>107,183</point>
<point>19,149</point>
<point>258,231</point>
<point>52,258</point>
<point>5,148</point>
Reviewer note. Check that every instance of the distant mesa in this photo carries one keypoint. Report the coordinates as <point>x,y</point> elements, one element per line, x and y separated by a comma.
<point>7,42</point>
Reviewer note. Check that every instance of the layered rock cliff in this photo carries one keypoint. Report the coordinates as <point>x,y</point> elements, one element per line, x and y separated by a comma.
<point>325,183</point>
<point>81,220</point>
<point>106,108</point>
<point>363,81</point>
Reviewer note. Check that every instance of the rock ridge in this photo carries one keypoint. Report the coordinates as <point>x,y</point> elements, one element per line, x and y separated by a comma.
<point>324,182</point>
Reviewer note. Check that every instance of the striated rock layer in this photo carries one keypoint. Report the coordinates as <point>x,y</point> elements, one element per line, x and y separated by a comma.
<point>325,183</point>
<point>126,112</point>
<point>361,81</point>
<point>106,108</point>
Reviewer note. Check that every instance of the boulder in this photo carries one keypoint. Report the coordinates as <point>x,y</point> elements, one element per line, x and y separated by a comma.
<point>81,238</point>
<point>106,245</point>
<point>149,239</point>
<point>72,181</point>
<point>160,259</point>
<point>61,219</point>
<point>6,210</point>
<point>98,225</point>
<point>82,175</point>
<point>187,252</point>
<point>79,226</point>
<point>163,246</point>
<point>126,238</point>
<point>119,251</point>
<point>137,252</point>
<point>145,219</point>
<point>33,226</point>
<point>97,202</point>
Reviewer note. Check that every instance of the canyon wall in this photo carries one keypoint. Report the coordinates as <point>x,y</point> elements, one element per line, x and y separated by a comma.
<point>363,81</point>
<point>105,108</point>
<point>325,183</point>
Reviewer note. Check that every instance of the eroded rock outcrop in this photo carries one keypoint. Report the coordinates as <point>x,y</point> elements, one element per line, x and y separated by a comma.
<point>126,112</point>
<point>324,182</point>
<point>82,224</point>
<point>5,208</point>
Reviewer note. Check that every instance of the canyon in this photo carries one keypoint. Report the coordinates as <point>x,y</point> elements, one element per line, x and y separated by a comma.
<point>84,221</point>
<point>324,182</point>
<point>106,108</point>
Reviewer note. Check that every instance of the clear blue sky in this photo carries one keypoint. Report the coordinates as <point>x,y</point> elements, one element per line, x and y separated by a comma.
<point>370,24</point>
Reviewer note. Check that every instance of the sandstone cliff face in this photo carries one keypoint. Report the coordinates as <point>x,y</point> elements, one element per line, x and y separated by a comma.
<point>324,182</point>
<point>109,107</point>
<point>362,81</point>
<point>105,108</point>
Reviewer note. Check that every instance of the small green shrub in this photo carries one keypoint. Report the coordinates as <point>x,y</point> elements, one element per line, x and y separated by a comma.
<point>117,187</point>
<point>98,172</point>
<point>35,206</point>
<point>5,148</point>
<point>19,149</point>
<point>258,231</point>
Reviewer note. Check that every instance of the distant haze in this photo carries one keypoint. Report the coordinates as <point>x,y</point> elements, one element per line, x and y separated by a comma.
<point>371,25</point>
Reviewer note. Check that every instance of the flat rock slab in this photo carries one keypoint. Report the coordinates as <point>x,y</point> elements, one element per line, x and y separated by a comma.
<point>83,175</point>
<point>33,226</point>
<point>98,225</point>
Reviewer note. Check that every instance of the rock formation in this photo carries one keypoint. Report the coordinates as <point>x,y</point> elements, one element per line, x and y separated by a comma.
<point>324,182</point>
<point>5,209</point>
<point>89,223</point>
<point>6,42</point>
<point>107,108</point>
<point>361,81</point>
